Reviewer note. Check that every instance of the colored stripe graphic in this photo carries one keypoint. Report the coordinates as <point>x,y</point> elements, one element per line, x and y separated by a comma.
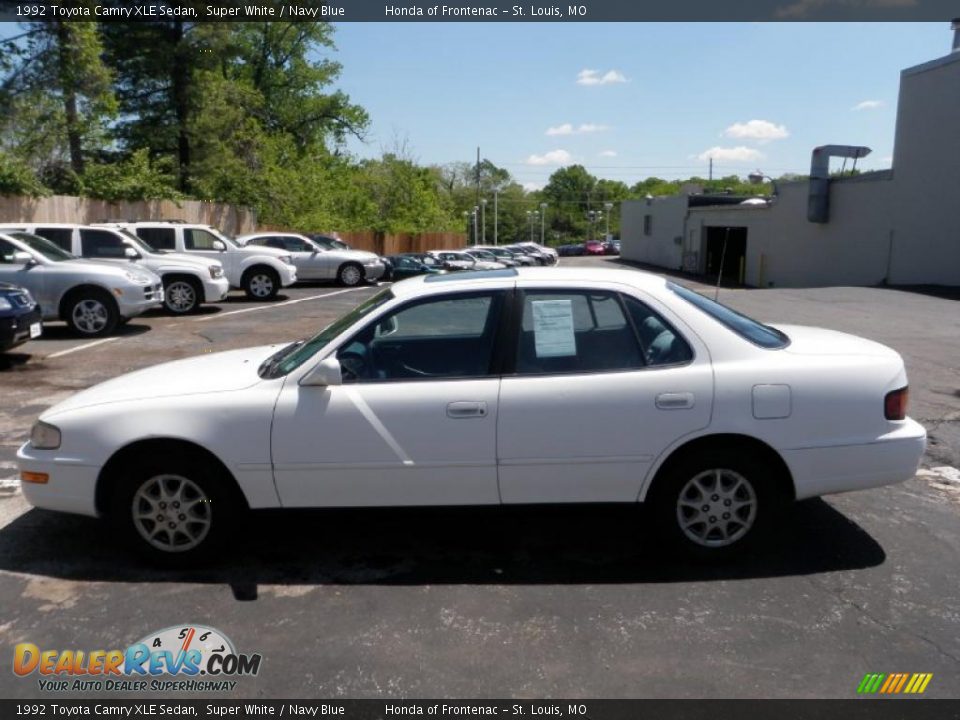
<point>894,683</point>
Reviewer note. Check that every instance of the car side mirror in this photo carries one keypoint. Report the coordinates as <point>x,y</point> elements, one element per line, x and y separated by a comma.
<point>130,253</point>
<point>219,245</point>
<point>23,258</point>
<point>324,373</point>
<point>387,327</point>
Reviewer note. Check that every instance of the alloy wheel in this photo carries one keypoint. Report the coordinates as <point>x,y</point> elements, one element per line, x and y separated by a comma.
<point>716,508</point>
<point>172,513</point>
<point>90,316</point>
<point>261,285</point>
<point>181,297</point>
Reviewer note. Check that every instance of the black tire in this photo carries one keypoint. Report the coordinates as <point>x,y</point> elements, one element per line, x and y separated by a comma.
<point>350,274</point>
<point>91,312</point>
<point>173,538</point>
<point>719,525</point>
<point>182,295</point>
<point>261,283</point>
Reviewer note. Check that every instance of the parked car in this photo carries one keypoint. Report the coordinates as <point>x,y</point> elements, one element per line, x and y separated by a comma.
<point>260,272</point>
<point>611,247</point>
<point>457,260</point>
<point>573,249</point>
<point>418,396</point>
<point>20,318</point>
<point>187,281</point>
<point>401,267</point>
<point>543,255</point>
<point>593,247</point>
<point>504,258</point>
<point>317,262</point>
<point>91,297</point>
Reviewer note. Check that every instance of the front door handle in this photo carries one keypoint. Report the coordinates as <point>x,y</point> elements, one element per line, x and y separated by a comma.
<point>459,410</point>
<point>675,401</point>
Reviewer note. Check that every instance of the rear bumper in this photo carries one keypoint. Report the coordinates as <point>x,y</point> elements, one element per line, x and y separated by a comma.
<point>71,486</point>
<point>374,271</point>
<point>891,458</point>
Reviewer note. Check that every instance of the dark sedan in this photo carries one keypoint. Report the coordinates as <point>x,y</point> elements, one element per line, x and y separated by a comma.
<point>19,316</point>
<point>400,267</point>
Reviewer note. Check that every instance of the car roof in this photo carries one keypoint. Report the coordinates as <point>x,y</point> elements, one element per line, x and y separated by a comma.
<point>425,285</point>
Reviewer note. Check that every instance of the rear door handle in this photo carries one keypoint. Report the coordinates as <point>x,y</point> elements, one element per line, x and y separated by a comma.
<point>463,409</point>
<point>675,401</point>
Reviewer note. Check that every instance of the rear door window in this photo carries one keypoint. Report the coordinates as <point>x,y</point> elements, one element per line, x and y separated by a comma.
<point>61,237</point>
<point>158,238</point>
<point>101,244</point>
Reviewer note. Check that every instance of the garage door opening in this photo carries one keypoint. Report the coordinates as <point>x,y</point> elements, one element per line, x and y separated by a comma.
<point>726,253</point>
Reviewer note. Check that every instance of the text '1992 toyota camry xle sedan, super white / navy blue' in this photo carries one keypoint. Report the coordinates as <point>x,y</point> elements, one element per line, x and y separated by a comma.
<point>477,389</point>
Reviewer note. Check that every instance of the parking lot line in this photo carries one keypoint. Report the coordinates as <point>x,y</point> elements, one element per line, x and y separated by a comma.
<point>275,305</point>
<point>81,347</point>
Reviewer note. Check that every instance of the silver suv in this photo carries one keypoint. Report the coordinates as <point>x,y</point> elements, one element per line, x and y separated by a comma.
<point>187,281</point>
<point>91,297</point>
<point>260,272</point>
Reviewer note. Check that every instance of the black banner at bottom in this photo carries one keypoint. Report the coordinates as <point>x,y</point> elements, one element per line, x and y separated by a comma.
<point>859,709</point>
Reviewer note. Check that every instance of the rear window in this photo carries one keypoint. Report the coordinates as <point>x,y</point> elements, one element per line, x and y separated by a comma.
<point>158,238</point>
<point>747,328</point>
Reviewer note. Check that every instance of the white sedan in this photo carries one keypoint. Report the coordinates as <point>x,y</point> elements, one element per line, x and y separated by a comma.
<point>318,262</point>
<point>479,389</point>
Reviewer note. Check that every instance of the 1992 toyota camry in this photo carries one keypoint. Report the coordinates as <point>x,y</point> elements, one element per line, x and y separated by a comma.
<point>479,389</point>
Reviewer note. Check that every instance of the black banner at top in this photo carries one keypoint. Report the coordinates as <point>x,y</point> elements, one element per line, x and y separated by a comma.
<point>481,10</point>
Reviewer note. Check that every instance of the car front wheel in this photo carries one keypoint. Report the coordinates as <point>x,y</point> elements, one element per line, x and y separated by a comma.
<point>173,512</point>
<point>261,284</point>
<point>350,275</point>
<point>92,314</point>
<point>181,296</point>
<point>716,505</point>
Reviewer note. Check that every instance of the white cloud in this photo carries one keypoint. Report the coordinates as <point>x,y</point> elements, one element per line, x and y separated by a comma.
<point>868,105</point>
<point>608,153</point>
<point>583,129</point>
<point>554,157</point>
<point>733,154</point>
<point>593,77</point>
<point>532,186</point>
<point>760,130</point>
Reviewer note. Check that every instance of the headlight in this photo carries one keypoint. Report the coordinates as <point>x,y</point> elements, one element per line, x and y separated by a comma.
<point>216,271</point>
<point>5,304</point>
<point>288,259</point>
<point>44,436</point>
<point>137,278</point>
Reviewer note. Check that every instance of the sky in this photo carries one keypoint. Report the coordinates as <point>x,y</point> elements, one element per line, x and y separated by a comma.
<point>631,100</point>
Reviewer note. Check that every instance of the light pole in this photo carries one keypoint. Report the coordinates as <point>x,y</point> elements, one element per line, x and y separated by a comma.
<point>533,222</point>
<point>607,206</point>
<point>483,220</point>
<point>474,214</point>
<point>543,215</point>
<point>495,193</point>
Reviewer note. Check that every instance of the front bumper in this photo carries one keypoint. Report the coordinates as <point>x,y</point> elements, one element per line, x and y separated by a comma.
<point>136,301</point>
<point>891,458</point>
<point>71,486</point>
<point>15,329</point>
<point>215,290</point>
<point>288,275</point>
<point>374,270</point>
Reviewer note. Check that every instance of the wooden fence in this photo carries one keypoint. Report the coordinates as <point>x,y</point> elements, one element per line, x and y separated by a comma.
<point>384,244</point>
<point>231,219</point>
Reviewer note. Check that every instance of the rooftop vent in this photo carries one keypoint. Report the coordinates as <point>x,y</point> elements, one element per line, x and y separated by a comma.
<point>818,203</point>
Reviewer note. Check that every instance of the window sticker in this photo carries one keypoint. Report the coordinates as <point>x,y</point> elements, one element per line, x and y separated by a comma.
<point>553,328</point>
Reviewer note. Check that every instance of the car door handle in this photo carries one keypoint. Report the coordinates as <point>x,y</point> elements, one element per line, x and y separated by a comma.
<point>458,410</point>
<point>675,401</point>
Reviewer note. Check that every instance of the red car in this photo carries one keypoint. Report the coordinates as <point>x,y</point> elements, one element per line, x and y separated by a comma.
<point>593,247</point>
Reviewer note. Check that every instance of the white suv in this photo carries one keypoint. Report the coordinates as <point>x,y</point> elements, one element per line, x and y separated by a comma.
<point>258,271</point>
<point>187,281</point>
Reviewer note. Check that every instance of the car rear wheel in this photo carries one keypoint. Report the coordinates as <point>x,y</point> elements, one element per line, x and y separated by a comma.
<point>181,296</point>
<point>91,313</point>
<point>350,275</point>
<point>716,505</point>
<point>173,511</point>
<point>261,283</point>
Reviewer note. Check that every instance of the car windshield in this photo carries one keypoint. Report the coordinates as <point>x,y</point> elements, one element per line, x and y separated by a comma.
<point>294,355</point>
<point>747,328</point>
<point>42,246</point>
<point>140,243</point>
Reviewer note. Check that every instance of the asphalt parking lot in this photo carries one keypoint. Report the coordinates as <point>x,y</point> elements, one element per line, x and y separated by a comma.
<point>525,603</point>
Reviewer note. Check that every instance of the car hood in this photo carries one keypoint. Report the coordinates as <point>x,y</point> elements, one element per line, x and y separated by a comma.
<point>262,250</point>
<point>361,256</point>
<point>175,258</point>
<point>213,373</point>
<point>820,341</point>
<point>103,268</point>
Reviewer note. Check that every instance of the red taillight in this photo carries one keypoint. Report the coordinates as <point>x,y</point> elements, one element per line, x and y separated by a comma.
<point>895,404</point>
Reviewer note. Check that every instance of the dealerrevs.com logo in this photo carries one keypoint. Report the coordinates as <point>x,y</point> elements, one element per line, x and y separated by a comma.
<point>179,658</point>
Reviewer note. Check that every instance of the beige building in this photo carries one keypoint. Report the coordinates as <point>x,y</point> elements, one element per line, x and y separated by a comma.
<point>899,226</point>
